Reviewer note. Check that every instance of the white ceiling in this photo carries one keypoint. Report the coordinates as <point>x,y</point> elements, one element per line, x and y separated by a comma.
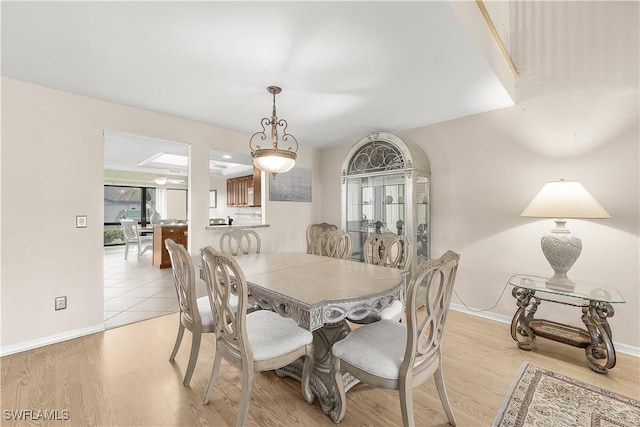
<point>346,68</point>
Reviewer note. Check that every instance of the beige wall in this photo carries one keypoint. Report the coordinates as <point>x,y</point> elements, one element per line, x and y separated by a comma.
<point>486,169</point>
<point>52,170</point>
<point>176,204</point>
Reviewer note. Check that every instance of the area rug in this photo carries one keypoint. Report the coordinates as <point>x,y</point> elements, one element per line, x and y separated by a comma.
<point>540,397</point>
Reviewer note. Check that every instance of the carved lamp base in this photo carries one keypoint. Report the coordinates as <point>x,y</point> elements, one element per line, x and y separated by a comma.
<point>562,249</point>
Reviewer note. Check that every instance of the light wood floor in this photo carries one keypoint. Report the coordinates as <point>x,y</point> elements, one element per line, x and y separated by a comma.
<point>122,377</point>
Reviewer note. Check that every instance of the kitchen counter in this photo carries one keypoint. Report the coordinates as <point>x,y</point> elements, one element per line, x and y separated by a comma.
<point>227,227</point>
<point>176,232</point>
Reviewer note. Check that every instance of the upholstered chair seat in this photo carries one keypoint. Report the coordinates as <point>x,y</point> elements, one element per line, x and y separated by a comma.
<point>377,349</point>
<point>272,335</point>
<point>206,317</point>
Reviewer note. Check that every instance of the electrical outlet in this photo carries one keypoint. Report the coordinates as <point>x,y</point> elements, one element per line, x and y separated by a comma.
<point>61,303</point>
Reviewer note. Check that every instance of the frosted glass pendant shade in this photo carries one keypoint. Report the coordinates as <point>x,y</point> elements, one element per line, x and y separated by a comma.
<point>274,162</point>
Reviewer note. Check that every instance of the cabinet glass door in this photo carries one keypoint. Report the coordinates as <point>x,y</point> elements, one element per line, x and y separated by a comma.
<point>375,204</point>
<point>422,203</point>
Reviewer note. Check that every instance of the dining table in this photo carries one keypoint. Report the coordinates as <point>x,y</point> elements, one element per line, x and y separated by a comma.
<point>320,293</point>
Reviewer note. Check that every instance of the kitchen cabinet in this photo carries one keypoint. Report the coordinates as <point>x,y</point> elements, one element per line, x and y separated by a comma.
<point>385,188</point>
<point>177,233</point>
<point>245,190</point>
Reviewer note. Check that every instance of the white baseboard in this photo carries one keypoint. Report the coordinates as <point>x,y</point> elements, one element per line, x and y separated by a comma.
<point>619,347</point>
<point>52,339</point>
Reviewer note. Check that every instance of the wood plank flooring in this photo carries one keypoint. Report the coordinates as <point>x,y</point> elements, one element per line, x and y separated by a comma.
<point>122,377</point>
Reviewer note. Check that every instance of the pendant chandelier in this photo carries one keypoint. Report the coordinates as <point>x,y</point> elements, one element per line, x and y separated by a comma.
<point>274,159</point>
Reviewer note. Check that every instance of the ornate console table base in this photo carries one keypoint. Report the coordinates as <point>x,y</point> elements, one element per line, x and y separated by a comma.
<point>596,339</point>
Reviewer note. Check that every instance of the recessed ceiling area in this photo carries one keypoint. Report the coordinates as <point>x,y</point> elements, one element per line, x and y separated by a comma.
<point>158,157</point>
<point>138,153</point>
<point>223,164</point>
<point>346,68</point>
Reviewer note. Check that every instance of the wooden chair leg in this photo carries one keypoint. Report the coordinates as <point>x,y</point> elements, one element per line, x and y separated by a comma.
<point>406,403</point>
<point>214,376</point>
<point>126,250</point>
<point>444,399</point>
<point>247,384</point>
<point>146,248</point>
<point>176,346</point>
<point>193,357</point>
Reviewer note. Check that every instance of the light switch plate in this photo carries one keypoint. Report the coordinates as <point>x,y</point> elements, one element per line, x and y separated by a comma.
<point>81,221</point>
<point>61,303</point>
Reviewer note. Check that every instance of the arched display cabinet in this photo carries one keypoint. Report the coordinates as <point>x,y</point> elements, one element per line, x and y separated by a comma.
<point>385,188</point>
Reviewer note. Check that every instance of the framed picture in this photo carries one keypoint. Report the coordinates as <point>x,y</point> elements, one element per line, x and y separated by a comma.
<point>292,186</point>
<point>213,198</point>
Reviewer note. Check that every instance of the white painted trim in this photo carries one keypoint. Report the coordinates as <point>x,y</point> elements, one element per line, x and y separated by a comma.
<point>484,314</point>
<point>52,339</point>
<point>619,347</point>
<point>626,349</point>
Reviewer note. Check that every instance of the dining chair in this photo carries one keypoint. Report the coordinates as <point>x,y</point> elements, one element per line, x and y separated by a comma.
<point>240,241</point>
<point>401,356</point>
<point>393,251</point>
<point>195,313</point>
<point>388,250</point>
<point>334,244</point>
<point>313,234</point>
<point>260,341</point>
<point>132,236</point>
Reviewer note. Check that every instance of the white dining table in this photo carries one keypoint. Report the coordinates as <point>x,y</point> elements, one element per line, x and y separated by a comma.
<point>320,293</point>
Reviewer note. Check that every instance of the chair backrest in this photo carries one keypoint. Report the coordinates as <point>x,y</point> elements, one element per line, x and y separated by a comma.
<point>185,282</point>
<point>389,250</point>
<point>155,218</point>
<point>240,240</point>
<point>224,278</point>
<point>334,244</point>
<point>130,230</point>
<point>432,283</point>
<point>313,234</point>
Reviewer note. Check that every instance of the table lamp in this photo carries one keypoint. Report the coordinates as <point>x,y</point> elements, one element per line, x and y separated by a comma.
<point>561,200</point>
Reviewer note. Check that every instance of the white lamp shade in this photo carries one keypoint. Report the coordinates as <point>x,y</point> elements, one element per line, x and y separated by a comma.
<point>564,199</point>
<point>274,163</point>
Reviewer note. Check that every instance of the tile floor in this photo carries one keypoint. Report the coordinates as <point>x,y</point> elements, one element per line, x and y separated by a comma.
<point>134,289</point>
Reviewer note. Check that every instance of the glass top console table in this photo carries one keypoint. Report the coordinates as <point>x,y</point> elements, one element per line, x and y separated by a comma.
<point>595,301</point>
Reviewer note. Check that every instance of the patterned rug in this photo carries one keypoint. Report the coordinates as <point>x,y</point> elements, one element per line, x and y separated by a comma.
<point>539,397</point>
